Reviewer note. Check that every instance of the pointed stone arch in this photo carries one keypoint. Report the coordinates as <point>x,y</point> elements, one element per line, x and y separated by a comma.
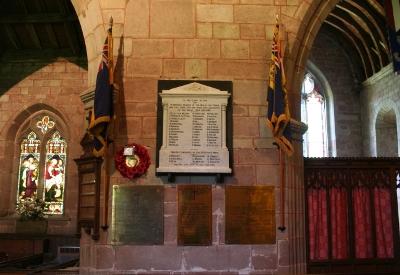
<point>93,28</point>
<point>311,15</point>
<point>330,110</point>
<point>385,129</point>
<point>11,139</point>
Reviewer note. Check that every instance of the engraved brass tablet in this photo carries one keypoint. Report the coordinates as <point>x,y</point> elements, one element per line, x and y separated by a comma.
<point>250,215</point>
<point>138,215</point>
<point>194,214</point>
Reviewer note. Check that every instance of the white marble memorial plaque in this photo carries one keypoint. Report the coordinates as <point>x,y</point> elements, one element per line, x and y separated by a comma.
<point>194,130</point>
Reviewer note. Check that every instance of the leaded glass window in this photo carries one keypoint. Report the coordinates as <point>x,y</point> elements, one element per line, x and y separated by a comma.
<point>313,113</point>
<point>45,123</point>
<point>42,164</point>
<point>29,166</point>
<point>54,176</point>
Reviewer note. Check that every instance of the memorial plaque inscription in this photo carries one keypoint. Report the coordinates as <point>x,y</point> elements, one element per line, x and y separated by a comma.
<point>194,214</point>
<point>194,130</point>
<point>250,215</point>
<point>138,215</point>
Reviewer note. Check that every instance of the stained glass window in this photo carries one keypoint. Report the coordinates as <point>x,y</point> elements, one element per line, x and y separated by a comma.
<point>313,113</point>
<point>42,164</point>
<point>54,175</point>
<point>45,123</point>
<point>29,166</point>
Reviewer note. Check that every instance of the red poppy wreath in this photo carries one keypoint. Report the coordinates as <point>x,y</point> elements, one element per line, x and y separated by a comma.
<point>132,161</point>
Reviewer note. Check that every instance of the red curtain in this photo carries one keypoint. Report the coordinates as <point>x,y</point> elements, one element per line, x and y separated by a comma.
<point>339,223</point>
<point>384,223</point>
<point>363,217</point>
<point>362,223</point>
<point>318,224</point>
<point>363,229</point>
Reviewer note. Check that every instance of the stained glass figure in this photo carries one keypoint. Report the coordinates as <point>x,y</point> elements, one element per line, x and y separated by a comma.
<point>29,166</point>
<point>45,124</point>
<point>54,176</point>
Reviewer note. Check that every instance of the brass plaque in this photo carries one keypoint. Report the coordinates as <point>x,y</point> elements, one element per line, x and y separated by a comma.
<point>250,215</point>
<point>138,215</point>
<point>194,214</point>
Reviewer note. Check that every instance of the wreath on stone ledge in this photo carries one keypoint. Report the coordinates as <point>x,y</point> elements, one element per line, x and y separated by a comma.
<point>132,161</point>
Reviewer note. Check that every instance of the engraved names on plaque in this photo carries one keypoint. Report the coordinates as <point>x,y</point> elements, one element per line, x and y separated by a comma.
<point>138,215</point>
<point>194,214</point>
<point>250,215</point>
<point>194,130</point>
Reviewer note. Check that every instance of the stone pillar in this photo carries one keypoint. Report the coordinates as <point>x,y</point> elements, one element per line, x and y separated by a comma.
<point>87,97</point>
<point>295,202</point>
<point>292,241</point>
<point>94,254</point>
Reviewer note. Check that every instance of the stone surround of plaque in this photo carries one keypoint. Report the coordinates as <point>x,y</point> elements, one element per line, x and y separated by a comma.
<point>250,215</point>
<point>138,215</point>
<point>194,130</point>
<point>194,215</point>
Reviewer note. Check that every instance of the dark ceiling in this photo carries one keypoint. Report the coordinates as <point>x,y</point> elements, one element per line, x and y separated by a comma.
<point>360,27</point>
<point>51,27</point>
<point>44,27</point>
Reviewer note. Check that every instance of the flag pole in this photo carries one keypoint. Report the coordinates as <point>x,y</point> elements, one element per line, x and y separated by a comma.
<point>282,226</point>
<point>106,155</point>
<point>282,156</point>
<point>278,115</point>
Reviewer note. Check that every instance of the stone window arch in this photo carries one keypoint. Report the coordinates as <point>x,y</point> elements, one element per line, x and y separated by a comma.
<point>317,112</point>
<point>386,132</point>
<point>41,150</point>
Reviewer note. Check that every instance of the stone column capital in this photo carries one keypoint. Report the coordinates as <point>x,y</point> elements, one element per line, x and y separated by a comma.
<point>297,129</point>
<point>87,96</point>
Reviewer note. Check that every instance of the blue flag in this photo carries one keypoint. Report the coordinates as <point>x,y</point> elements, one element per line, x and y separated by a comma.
<point>103,101</point>
<point>278,115</point>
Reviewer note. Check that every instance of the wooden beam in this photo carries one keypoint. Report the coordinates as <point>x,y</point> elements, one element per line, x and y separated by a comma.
<point>36,18</point>
<point>364,26</point>
<point>12,36</point>
<point>72,39</point>
<point>379,29</point>
<point>34,37</point>
<point>34,55</point>
<point>354,31</point>
<point>23,6</point>
<point>377,6</point>
<point>62,7</point>
<point>351,39</point>
<point>38,5</point>
<point>1,50</point>
<point>52,36</point>
<point>69,29</point>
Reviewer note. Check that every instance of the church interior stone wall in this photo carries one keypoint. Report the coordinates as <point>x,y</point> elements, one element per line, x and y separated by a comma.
<point>380,93</point>
<point>197,40</point>
<point>191,40</point>
<point>28,87</point>
<point>333,61</point>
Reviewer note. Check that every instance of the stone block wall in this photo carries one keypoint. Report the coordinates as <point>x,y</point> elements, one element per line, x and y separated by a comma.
<point>207,40</point>
<point>381,93</point>
<point>27,87</point>
<point>336,66</point>
<point>172,39</point>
